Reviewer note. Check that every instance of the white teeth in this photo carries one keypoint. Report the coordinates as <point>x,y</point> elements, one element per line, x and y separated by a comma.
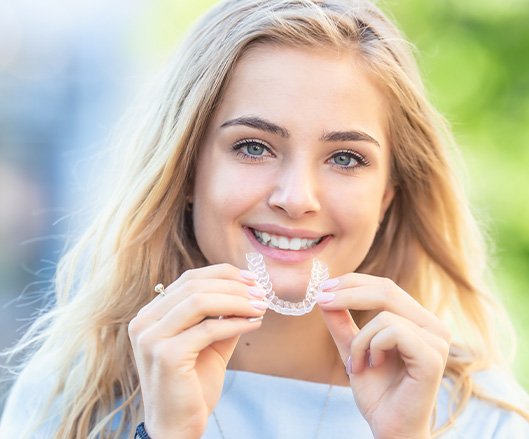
<point>283,242</point>
<point>265,237</point>
<point>295,244</point>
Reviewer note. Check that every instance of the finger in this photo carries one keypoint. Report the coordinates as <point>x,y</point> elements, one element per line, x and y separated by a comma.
<point>388,331</point>
<point>225,347</point>
<point>197,307</point>
<point>363,292</point>
<point>161,305</point>
<point>422,362</point>
<point>343,328</point>
<point>360,346</point>
<point>217,271</point>
<point>200,336</point>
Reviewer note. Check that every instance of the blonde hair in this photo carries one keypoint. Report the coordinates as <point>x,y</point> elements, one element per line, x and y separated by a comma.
<point>428,242</point>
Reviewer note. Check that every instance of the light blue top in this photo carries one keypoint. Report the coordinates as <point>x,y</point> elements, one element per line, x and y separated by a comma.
<point>266,407</point>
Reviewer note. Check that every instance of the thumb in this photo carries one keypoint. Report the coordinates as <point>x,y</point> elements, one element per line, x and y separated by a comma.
<point>226,347</point>
<point>342,328</point>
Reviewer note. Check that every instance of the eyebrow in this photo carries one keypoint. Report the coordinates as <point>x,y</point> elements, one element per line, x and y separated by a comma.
<point>348,136</point>
<point>257,122</point>
<point>270,127</point>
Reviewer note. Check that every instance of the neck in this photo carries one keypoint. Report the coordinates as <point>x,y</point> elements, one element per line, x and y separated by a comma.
<point>291,347</point>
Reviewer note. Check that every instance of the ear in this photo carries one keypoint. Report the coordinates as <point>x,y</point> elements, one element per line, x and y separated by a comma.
<point>387,198</point>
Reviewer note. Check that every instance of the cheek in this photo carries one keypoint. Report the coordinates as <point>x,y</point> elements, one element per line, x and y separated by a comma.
<point>357,205</point>
<point>355,211</point>
<point>223,194</point>
<point>226,191</point>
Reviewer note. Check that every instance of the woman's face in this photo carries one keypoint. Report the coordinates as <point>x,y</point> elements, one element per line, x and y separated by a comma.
<point>294,165</point>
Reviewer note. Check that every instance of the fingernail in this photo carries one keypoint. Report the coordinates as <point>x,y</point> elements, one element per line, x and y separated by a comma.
<point>324,297</point>
<point>257,291</point>
<point>248,275</point>
<point>370,361</point>
<point>259,304</point>
<point>254,319</point>
<point>329,284</point>
<point>349,365</point>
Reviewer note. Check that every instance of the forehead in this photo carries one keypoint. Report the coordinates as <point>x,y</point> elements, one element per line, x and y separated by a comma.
<point>318,88</point>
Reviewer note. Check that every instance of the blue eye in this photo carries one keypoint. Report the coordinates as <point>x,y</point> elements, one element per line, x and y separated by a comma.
<point>344,159</point>
<point>252,149</point>
<point>255,149</point>
<point>348,160</point>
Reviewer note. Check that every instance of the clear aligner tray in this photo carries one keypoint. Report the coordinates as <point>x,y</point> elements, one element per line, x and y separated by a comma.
<point>319,273</point>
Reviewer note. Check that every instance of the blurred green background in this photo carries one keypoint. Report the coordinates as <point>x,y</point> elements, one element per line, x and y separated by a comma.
<point>474,56</point>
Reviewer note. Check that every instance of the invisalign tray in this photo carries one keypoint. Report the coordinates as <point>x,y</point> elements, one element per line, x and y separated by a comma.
<point>319,273</point>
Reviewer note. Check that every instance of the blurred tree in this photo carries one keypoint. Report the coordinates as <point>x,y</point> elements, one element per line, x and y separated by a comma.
<point>475,61</point>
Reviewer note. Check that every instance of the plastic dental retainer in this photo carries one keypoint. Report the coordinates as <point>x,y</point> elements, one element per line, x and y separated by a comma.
<point>319,273</point>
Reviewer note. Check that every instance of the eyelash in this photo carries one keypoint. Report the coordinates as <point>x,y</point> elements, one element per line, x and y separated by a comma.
<point>238,146</point>
<point>360,159</point>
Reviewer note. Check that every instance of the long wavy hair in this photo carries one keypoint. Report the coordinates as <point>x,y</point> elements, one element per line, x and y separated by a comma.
<point>428,241</point>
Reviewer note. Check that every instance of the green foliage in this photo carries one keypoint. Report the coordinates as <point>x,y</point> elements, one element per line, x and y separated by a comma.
<point>474,56</point>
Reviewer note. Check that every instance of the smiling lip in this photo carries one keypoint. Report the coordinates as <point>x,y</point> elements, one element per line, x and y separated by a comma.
<point>274,229</point>
<point>286,256</point>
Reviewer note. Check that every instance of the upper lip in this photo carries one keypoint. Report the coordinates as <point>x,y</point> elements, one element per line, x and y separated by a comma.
<point>275,229</point>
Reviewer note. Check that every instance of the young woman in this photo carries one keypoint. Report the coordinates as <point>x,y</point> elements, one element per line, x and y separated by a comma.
<point>297,130</point>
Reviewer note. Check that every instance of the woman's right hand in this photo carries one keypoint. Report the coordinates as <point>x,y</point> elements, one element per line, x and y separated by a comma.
<point>182,349</point>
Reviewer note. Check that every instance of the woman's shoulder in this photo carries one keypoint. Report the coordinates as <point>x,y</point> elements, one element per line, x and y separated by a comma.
<point>488,415</point>
<point>35,405</point>
<point>31,392</point>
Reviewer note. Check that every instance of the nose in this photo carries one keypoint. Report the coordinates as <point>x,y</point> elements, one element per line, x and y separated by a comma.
<point>295,191</point>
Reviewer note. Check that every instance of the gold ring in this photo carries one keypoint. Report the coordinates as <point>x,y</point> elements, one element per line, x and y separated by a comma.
<point>160,289</point>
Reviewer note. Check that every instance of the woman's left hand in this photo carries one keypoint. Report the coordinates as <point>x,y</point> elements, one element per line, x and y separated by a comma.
<point>396,360</point>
